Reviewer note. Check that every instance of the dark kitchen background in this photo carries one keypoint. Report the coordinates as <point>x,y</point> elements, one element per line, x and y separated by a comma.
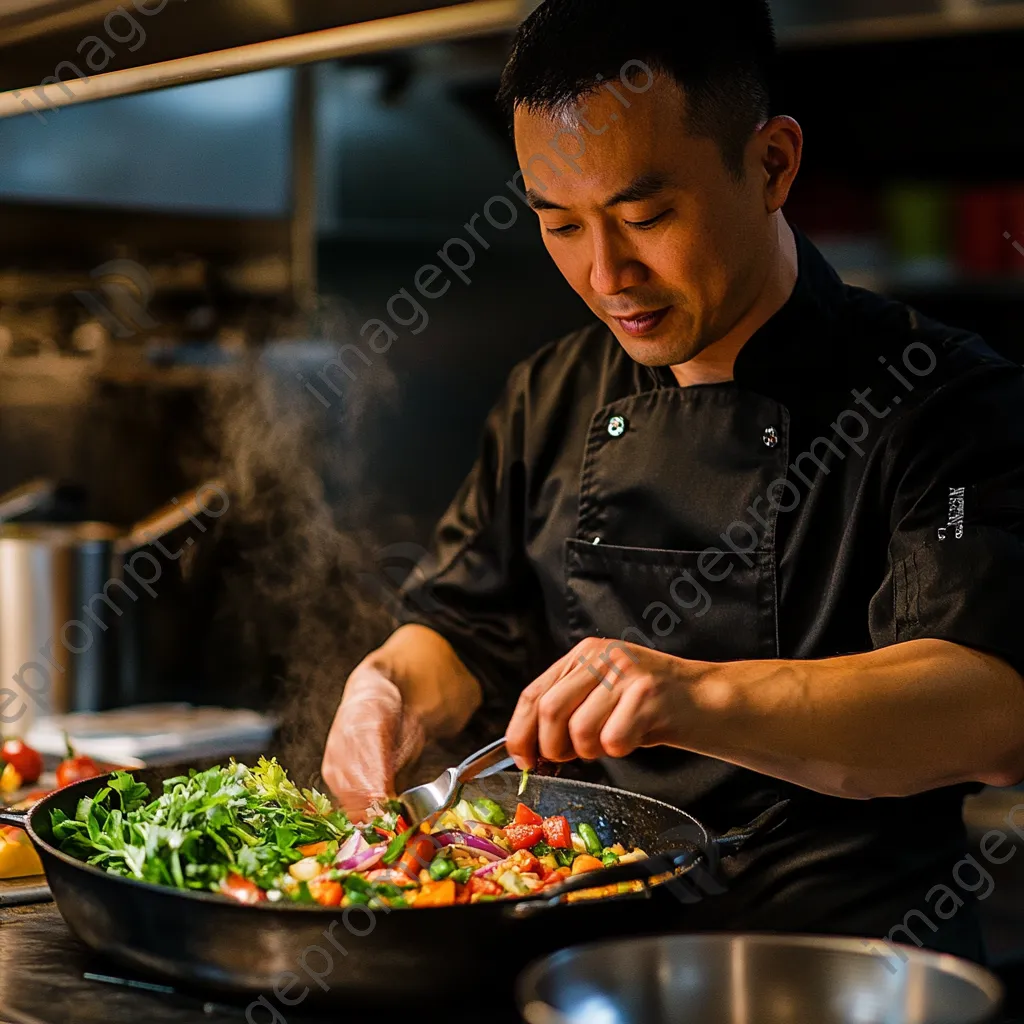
<point>177,268</point>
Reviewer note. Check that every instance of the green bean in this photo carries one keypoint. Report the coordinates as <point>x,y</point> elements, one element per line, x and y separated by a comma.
<point>590,839</point>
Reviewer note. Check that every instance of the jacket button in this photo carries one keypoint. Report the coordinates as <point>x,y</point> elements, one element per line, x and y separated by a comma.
<point>617,426</point>
<point>770,437</point>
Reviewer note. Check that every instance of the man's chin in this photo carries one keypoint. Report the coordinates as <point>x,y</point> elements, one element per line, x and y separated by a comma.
<point>656,351</point>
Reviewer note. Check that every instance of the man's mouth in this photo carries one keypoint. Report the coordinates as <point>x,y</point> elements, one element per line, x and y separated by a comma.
<point>639,324</point>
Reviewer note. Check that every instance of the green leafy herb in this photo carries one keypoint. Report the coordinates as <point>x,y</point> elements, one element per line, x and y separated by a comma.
<point>202,827</point>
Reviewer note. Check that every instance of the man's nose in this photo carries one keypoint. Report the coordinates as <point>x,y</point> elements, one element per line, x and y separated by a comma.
<point>614,266</point>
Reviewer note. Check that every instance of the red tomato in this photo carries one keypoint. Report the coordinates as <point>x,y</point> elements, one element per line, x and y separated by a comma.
<point>74,769</point>
<point>27,762</point>
<point>526,816</point>
<point>557,833</point>
<point>522,837</point>
<point>326,893</point>
<point>241,889</point>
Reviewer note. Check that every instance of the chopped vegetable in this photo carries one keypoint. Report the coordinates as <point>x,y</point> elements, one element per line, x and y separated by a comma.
<point>590,838</point>
<point>252,835</point>
<point>584,862</point>
<point>28,763</point>
<point>523,781</point>
<point>527,816</point>
<point>522,837</point>
<point>557,833</point>
<point>76,767</point>
<point>491,812</point>
<point>18,858</point>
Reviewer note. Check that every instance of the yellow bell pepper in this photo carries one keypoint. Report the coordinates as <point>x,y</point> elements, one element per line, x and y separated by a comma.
<point>10,780</point>
<point>17,857</point>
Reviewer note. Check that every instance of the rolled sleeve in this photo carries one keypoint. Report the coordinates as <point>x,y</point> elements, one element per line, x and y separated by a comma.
<point>955,490</point>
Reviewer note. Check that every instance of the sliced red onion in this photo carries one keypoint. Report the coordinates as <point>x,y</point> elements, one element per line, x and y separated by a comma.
<point>353,845</point>
<point>364,860</point>
<point>490,869</point>
<point>452,837</point>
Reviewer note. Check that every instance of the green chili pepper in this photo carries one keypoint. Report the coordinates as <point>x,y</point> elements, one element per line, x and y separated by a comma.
<point>523,781</point>
<point>590,840</point>
<point>397,845</point>
<point>461,876</point>
<point>490,812</point>
<point>440,868</point>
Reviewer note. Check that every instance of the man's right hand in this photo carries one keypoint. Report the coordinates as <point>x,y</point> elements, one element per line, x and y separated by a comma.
<point>371,739</point>
<point>412,689</point>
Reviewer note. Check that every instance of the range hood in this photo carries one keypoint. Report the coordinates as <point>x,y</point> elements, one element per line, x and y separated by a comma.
<point>54,53</point>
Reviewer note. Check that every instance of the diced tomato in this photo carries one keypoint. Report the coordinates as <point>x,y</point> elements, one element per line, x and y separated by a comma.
<point>557,833</point>
<point>483,887</point>
<point>463,894</point>
<point>326,893</point>
<point>584,862</point>
<point>527,816</point>
<point>437,894</point>
<point>521,837</point>
<point>313,849</point>
<point>241,889</point>
<point>419,852</point>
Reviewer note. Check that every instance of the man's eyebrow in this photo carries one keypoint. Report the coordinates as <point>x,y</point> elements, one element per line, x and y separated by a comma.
<point>538,202</point>
<point>644,187</point>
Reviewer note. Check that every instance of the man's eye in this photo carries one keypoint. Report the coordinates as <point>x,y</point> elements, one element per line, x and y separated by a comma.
<point>566,229</point>
<point>644,224</point>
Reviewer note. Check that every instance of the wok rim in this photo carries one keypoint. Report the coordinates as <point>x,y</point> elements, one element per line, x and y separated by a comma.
<point>945,963</point>
<point>202,896</point>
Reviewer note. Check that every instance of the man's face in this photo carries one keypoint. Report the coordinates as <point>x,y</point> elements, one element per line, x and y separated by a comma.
<point>650,228</point>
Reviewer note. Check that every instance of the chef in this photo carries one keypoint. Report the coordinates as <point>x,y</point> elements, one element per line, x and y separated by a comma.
<point>752,534</point>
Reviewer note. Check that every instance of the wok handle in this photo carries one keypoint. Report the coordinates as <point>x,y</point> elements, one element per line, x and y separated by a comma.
<point>736,838</point>
<point>9,816</point>
<point>635,871</point>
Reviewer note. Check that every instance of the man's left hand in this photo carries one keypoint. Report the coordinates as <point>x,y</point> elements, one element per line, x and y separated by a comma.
<point>605,698</point>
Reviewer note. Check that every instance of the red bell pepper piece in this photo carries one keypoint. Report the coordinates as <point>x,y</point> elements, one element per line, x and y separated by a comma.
<point>419,852</point>
<point>557,832</point>
<point>326,893</point>
<point>527,816</point>
<point>522,837</point>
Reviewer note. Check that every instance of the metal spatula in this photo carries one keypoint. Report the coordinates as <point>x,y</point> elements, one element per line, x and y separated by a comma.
<point>423,802</point>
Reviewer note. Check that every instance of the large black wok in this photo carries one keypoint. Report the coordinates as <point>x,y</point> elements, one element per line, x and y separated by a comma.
<point>278,952</point>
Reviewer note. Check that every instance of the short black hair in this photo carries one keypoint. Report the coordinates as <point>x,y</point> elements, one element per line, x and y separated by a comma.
<point>722,53</point>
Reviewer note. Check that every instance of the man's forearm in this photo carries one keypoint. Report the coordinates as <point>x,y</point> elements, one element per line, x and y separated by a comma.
<point>892,722</point>
<point>436,686</point>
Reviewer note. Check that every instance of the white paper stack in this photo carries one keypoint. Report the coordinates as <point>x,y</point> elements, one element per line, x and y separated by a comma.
<point>155,733</point>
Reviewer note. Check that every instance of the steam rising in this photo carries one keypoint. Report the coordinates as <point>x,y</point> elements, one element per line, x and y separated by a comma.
<point>291,605</point>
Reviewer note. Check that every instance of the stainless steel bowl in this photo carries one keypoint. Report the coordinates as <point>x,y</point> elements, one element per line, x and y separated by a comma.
<point>755,979</point>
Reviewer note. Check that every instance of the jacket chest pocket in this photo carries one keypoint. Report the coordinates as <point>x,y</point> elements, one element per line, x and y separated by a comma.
<point>703,605</point>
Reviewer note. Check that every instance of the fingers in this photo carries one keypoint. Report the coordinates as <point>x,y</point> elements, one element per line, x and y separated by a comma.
<point>521,734</point>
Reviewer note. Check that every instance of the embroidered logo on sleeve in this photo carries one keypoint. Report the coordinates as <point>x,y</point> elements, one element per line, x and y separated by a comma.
<point>955,521</point>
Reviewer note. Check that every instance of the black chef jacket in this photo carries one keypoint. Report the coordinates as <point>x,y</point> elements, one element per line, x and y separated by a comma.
<point>859,484</point>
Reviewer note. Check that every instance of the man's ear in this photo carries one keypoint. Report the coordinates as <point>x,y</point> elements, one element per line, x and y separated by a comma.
<point>781,144</point>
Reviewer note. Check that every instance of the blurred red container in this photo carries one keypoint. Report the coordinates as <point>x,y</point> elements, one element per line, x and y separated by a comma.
<point>1014,205</point>
<point>981,223</point>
